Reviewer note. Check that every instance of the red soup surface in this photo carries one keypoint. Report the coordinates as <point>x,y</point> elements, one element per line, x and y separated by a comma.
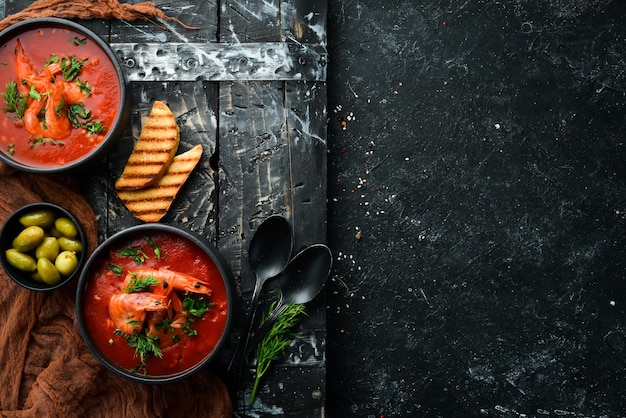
<point>67,98</point>
<point>176,254</point>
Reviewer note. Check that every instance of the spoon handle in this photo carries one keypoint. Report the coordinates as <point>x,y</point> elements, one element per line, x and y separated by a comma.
<point>264,329</point>
<point>239,357</point>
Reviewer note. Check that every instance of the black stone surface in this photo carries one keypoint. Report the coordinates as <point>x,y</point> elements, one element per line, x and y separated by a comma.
<point>477,208</point>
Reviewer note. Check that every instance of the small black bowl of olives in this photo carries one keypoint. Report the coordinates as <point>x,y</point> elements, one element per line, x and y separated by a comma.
<point>42,246</point>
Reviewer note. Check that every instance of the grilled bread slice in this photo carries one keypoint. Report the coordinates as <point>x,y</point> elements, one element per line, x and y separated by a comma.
<point>153,151</point>
<point>150,204</point>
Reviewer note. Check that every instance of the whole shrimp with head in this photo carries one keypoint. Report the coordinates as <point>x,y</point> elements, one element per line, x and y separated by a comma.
<point>165,284</point>
<point>128,310</point>
<point>48,96</point>
<point>169,281</point>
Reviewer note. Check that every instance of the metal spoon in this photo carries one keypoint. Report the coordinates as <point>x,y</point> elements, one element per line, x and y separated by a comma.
<point>269,252</point>
<point>300,282</point>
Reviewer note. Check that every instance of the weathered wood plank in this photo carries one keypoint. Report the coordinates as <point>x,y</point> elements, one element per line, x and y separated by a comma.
<point>254,174</point>
<point>306,121</point>
<point>253,164</point>
<point>222,62</point>
<point>243,21</point>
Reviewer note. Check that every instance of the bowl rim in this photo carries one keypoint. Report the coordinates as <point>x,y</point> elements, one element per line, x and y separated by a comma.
<point>124,105</point>
<point>202,242</point>
<point>5,244</point>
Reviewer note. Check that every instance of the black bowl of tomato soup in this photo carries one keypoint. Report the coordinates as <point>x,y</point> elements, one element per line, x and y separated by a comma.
<point>154,303</point>
<point>64,96</point>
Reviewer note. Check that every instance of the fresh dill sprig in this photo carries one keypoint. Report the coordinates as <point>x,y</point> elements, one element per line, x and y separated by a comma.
<point>145,347</point>
<point>275,341</point>
<point>140,283</point>
<point>14,102</point>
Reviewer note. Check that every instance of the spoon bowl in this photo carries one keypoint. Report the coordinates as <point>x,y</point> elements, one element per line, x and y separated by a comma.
<point>270,248</point>
<point>305,276</point>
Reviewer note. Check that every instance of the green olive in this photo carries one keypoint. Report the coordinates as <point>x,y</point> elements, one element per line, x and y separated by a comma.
<point>49,248</point>
<point>43,218</point>
<point>37,277</point>
<point>53,232</point>
<point>48,272</point>
<point>69,244</point>
<point>29,238</point>
<point>66,262</point>
<point>20,260</point>
<point>66,227</point>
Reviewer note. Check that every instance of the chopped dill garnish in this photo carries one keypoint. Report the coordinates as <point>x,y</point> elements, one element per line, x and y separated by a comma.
<point>93,128</point>
<point>70,67</point>
<point>155,248</point>
<point>79,41</point>
<point>117,270</point>
<point>84,87</point>
<point>194,307</point>
<point>42,140</point>
<point>135,252</point>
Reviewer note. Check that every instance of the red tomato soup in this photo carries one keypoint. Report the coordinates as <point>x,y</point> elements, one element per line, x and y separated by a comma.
<point>59,74</point>
<point>177,255</point>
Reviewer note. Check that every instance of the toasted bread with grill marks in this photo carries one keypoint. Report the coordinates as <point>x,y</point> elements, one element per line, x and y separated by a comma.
<point>153,151</point>
<point>150,204</point>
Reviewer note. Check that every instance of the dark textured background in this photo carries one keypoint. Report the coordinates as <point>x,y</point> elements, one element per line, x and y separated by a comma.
<point>477,208</point>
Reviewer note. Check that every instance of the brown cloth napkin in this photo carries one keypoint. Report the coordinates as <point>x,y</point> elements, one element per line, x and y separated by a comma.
<point>45,367</point>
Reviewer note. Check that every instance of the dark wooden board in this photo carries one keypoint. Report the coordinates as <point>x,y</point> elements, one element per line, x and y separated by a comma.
<point>259,111</point>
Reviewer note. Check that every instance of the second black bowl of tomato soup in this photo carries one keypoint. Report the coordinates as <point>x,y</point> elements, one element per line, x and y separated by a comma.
<point>154,303</point>
<point>63,93</point>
